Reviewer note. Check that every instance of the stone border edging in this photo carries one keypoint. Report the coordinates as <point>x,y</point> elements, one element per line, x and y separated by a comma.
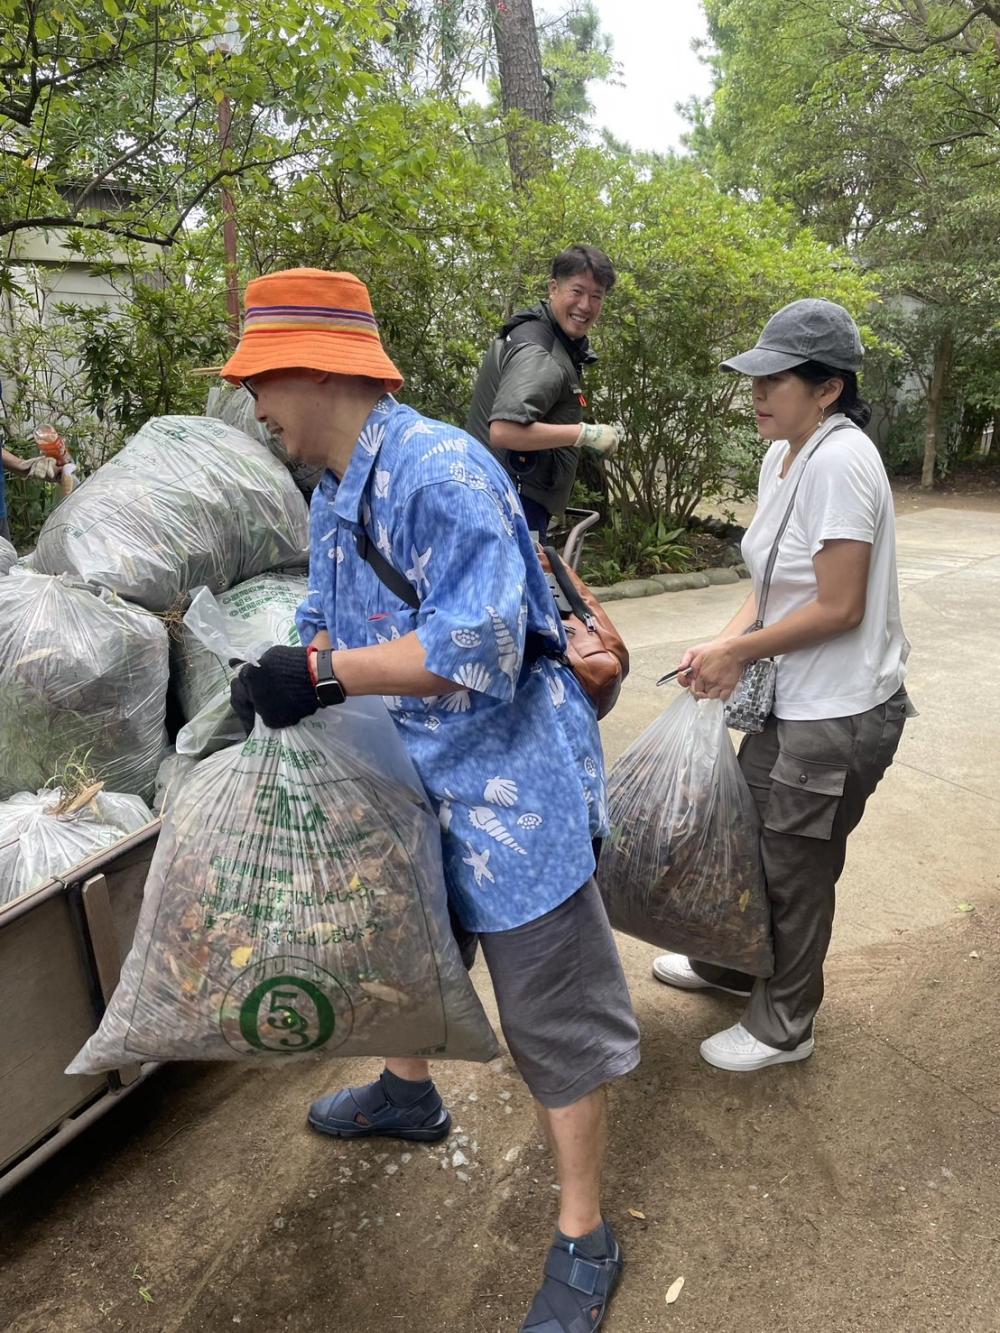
<point>659,583</point>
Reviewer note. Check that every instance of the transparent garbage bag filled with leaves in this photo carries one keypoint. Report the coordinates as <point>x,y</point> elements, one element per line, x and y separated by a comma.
<point>188,501</point>
<point>266,604</point>
<point>682,868</point>
<point>8,556</point>
<point>45,834</point>
<point>295,905</point>
<point>232,404</point>
<point>83,680</point>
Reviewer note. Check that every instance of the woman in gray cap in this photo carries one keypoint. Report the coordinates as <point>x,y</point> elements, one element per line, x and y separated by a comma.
<point>832,623</point>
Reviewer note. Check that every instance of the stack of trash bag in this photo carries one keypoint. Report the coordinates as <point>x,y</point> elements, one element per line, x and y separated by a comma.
<point>296,905</point>
<point>188,501</point>
<point>232,404</point>
<point>90,631</point>
<point>83,681</point>
<point>46,833</point>
<point>682,868</point>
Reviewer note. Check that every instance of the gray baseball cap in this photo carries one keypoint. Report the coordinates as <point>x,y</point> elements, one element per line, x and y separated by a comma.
<point>810,330</point>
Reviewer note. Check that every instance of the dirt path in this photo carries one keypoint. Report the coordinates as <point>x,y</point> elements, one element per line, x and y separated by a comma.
<point>858,1191</point>
<point>984,497</point>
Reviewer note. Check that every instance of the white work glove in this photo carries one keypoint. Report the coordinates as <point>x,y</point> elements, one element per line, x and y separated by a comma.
<point>43,468</point>
<point>602,439</point>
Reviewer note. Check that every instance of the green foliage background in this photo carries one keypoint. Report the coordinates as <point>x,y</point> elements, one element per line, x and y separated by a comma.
<point>837,167</point>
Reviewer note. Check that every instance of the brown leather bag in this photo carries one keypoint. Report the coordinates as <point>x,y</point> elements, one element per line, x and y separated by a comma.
<point>596,651</point>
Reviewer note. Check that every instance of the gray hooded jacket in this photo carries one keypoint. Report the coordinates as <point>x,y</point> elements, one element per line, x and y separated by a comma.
<point>532,372</point>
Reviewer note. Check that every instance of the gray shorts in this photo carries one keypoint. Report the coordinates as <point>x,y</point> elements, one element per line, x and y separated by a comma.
<point>565,1010</point>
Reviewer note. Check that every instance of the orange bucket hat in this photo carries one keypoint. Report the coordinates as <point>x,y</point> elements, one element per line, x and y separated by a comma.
<point>309,319</point>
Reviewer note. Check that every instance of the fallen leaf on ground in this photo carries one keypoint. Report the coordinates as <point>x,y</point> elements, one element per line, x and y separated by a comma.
<point>674,1290</point>
<point>634,1212</point>
<point>965,907</point>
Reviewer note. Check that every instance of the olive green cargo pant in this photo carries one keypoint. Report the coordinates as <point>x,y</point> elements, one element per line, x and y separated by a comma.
<point>811,782</point>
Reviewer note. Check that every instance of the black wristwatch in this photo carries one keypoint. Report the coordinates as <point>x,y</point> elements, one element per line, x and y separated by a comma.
<point>328,688</point>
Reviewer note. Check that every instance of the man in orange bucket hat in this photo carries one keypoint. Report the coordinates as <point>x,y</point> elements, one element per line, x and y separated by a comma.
<point>424,588</point>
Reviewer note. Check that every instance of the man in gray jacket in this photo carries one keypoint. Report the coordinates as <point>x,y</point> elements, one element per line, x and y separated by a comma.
<point>528,402</point>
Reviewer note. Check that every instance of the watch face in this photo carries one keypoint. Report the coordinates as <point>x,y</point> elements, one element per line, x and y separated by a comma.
<point>330,692</point>
<point>328,688</point>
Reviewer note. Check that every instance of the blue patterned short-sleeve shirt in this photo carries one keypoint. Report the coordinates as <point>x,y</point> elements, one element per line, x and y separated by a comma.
<point>512,761</point>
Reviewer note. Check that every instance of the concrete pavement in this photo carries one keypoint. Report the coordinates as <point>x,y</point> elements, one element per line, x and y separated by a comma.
<point>931,836</point>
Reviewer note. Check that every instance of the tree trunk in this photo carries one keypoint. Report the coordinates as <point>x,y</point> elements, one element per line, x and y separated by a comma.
<point>943,352</point>
<point>522,86</point>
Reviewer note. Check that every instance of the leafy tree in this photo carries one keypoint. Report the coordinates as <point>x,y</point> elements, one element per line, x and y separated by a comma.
<point>98,95</point>
<point>876,127</point>
<point>437,47</point>
<point>575,52</point>
<point>965,28</point>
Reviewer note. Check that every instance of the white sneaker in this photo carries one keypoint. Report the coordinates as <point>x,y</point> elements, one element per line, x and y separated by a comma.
<point>675,970</point>
<point>740,1051</point>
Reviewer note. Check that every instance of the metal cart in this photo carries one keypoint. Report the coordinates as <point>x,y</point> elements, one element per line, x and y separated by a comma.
<point>61,950</point>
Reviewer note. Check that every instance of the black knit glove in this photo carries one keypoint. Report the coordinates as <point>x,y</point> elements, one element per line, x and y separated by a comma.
<point>279,690</point>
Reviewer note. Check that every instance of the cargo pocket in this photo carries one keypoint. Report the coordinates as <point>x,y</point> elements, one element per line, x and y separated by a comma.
<point>804,796</point>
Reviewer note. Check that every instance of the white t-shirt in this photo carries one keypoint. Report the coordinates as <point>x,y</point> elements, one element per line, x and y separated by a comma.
<point>844,493</point>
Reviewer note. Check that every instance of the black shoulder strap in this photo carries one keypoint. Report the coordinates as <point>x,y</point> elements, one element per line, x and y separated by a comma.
<point>535,646</point>
<point>386,572</point>
<point>567,587</point>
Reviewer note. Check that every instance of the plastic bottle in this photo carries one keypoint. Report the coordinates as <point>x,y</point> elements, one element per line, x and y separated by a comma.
<point>51,443</point>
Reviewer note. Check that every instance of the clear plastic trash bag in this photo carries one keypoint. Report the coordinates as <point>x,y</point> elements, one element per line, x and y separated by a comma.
<point>266,604</point>
<point>44,835</point>
<point>214,728</point>
<point>8,556</point>
<point>83,681</point>
<point>232,404</point>
<point>188,501</point>
<point>240,637</point>
<point>172,771</point>
<point>682,868</point>
<point>296,905</point>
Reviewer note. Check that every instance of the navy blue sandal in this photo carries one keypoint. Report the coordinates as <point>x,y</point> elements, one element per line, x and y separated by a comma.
<point>426,1121</point>
<point>575,1291</point>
